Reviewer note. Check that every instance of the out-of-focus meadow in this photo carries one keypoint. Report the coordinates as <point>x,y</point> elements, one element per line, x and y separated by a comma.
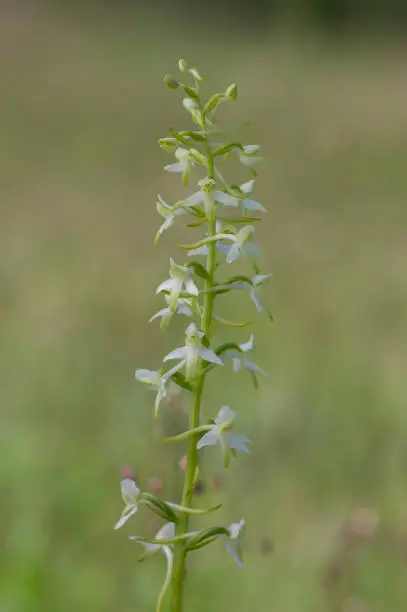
<point>324,490</point>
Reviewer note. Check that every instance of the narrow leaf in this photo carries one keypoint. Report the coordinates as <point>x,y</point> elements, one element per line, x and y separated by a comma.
<point>187,434</point>
<point>159,506</point>
<point>199,269</point>
<point>227,323</point>
<point>185,510</point>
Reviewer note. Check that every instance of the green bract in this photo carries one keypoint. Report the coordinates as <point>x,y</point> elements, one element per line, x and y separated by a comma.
<point>225,211</point>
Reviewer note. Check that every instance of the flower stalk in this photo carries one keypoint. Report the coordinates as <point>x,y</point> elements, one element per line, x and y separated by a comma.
<point>191,291</point>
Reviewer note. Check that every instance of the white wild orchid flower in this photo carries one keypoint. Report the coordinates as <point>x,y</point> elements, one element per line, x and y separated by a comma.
<point>183,307</point>
<point>130,494</point>
<point>243,199</point>
<point>193,350</point>
<point>167,532</point>
<point>221,432</point>
<point>241,245</point>
<point>184,163</point>
<point>234,543</point>
<point>249,156</point>
<point>253,287</point>
<point>241,360</point>
<point>157,381</point>
<point>180,279</point>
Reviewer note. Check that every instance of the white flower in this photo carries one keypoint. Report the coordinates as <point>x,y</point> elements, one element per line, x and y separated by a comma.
<point>157,382</point>
<point>169,213</point>
<point>203,250</point>
<point>245,202</point>
<point>234,544</point>
<point>220,432</point>
<point>192,107</point>
<point>241,244</point>
<point>130,494</point>
<point>184,164</point>
<point>180,278</point>
<point>183,307</point>
<point>252,286</point>
<point>167,532</point>
<point>240,360</point>
<point>193,350</point>
<point>248,156</point>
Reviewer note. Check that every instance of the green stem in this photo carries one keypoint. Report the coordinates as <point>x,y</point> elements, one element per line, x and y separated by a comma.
<point>194,419</point>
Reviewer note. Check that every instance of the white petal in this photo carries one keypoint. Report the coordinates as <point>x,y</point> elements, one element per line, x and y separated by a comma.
<point>249,365</point>
<point>256,300</point>
<point>209,439</point>
<point>203,250</point>
<point>253,205</point>
<point>166,532</point>
<point>125,518</point>
<point>166,285</point>
<point>183,154</point>
<point>247,187</point>
<point>151,377</point>
<point>184,309</point>
<point>247,346</point>
<point>237,364</point>
<point>252,249</point>
<point>260,278</point>
<point>166,225</point>
<point>178,167</point>
<point>130,490</point>
<point>195,199</point>
<point>238,443</point>
<point>236,528</point>
<point>178,353</point>
<point>247,160</point>
<point>190,287</point>
<point>222,248</point>
<point>159,314</point>
<point>152,548</point>
<point>234,551</point>
<point>226,199</point>
<point>165,377</point>
<point>234,253</point>
<point>192,331</point>
<point>225,415</point>
<point>250,149</point>
<point>209,355</point>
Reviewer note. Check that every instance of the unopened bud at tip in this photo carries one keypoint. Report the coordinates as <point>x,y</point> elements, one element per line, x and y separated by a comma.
<point>171,82</point>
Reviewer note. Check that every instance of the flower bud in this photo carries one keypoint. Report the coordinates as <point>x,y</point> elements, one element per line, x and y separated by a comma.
<point>207,184</point>
<point>168,144</point>
<point>182,65</point>
<point>171,82</point>
<point>231,92</point>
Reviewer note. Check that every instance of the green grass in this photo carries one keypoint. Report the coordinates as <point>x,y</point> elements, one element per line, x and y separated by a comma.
<point>82,107</point>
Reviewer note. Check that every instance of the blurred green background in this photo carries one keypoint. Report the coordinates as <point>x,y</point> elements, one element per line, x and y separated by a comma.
<point>324,491</point>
